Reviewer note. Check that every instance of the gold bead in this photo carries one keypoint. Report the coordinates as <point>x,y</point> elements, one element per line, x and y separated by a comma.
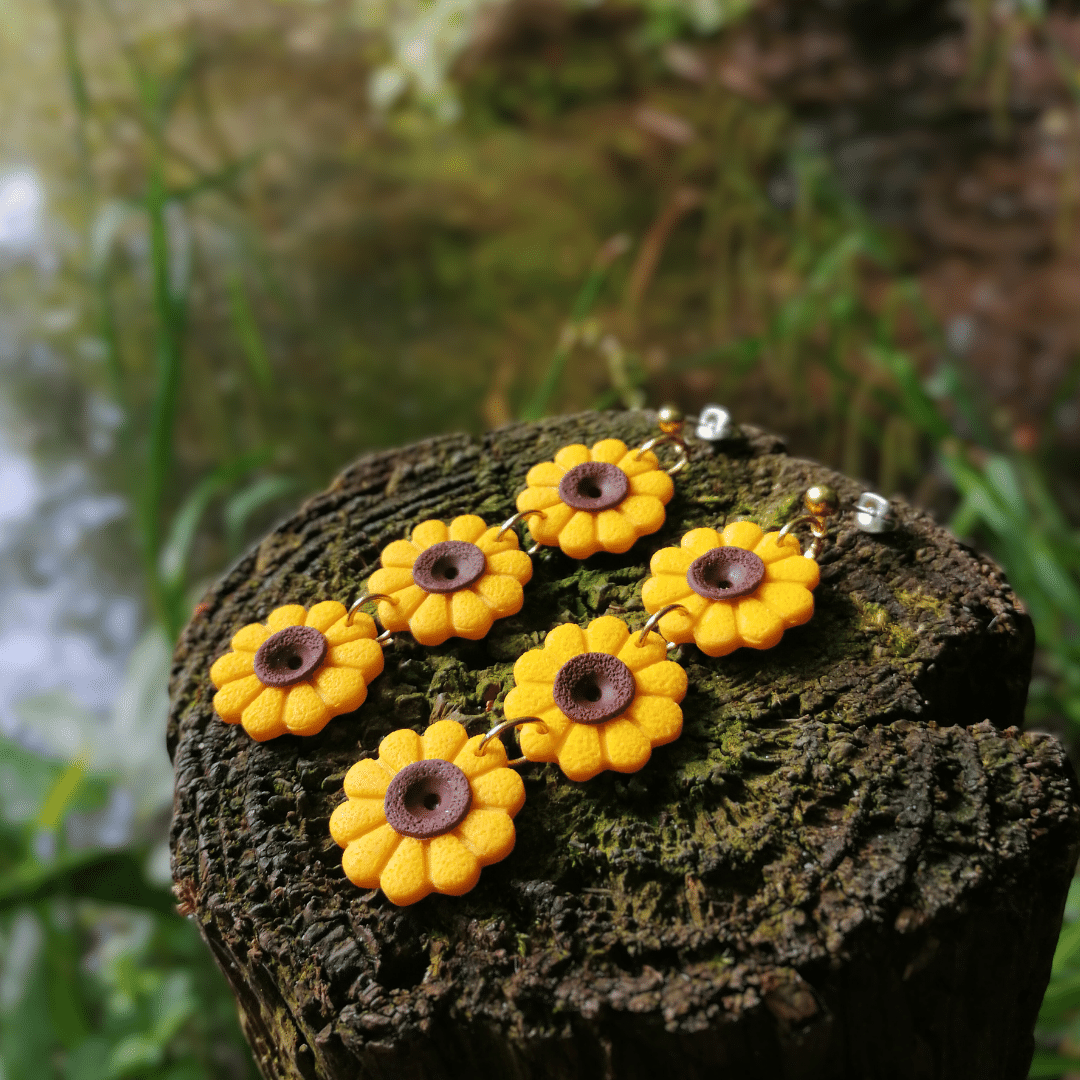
<point>821,501</point>
<point>670,418</point>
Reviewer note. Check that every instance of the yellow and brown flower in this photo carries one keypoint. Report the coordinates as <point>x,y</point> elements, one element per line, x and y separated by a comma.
<point>739,587</point>
<point>451,582</point>
<point>601,499</point>
<point>603,700</point>
<point>296,673</point>
<point>427,814</point>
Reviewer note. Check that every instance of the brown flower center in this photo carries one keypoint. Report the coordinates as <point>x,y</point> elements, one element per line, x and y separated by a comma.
<point>290,655</point>
<point>594,486</point>
<point>593,687</point>
<point>427,798</point>
<point>725,573</point>
<point>449,566</point>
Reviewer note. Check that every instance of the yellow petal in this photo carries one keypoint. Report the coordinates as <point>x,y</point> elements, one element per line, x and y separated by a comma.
<point>488,833</point>
<point>365,654</point>
<point>400,748</point>
<point>610,450</point>
<point>453,868</point>
<point>430,624</point>
<point>659,719</point>
<point>671,560</point>
<point>341,688</point>
<point>395,616</point>
<point>667,678</point>
<point>399,553</point>
<point>305,712</point>
<point>468,527</point>
<point>698,541</point>
<point>538,498</point>
<point>528,699</point>
<point>500,789</point>
<point>633,465</point>
<point>571,456</point>
<point>289,615</point>
<point>624,748</point>
<point>365,857</point>
<point>250,638</point>
<point>233,665</point>
<point>322,616</point>
<point>757,625</point>
<point>769,549</point>
<point>565,641</point>
<point>543,744</point>
<point>716,633</point>
<point>264,718</point>
<point>354,817</point>
<point>501,593</point>
<point>234,697</point>
<point>615,531</point>
<point>578,536</point>
<point>366,779</point>
<point>678,626</point>
<point>546,530</point>
<point>606,634</point>
<point>579,755</point>
<point>792,604</point>
<point>664,589</point>
<point>645,512</point>
<point>443,739</point>
<point>470,617</point>
<point>744,534</point>
<point>636,656</point>
<point>796,570</point>
<point>490,543</point>
<point>473,764</point>
<point>546,474</point>
<point>430,532</point>
<point>655,483</point>
<point>537,666</point>
<point>515,564</point>
<point>404,878</point>
<point>362,626</point>
<point>390,579</point>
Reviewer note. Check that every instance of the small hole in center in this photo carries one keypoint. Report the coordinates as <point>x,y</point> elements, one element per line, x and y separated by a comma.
<point>589,489</point>
<point>294,662</point>
<point>590,691</point>
<point>431,802</point>
<point>450,573</point>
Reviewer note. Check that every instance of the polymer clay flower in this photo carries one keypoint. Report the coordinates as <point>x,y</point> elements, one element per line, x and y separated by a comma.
<point>451,582</point>
<point>601,499</point>
<point>739,587</point>
<point>603,700</point>
<point>427,814</point>
<point>296,673</point>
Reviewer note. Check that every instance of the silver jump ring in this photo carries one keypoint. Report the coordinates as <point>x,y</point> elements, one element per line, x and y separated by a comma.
<point>511,521</point>
<point>660,440</point>
<point>655,618</point>
<point>505,725</point>
<point>366,598</point>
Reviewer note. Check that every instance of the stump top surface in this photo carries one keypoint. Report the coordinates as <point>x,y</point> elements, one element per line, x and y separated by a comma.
<point>854,783</point>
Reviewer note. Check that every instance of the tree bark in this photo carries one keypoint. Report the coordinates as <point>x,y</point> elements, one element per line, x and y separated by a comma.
<point>852,864</point>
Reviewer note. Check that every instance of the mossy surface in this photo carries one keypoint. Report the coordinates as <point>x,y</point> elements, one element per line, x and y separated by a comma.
<point>833,805</point>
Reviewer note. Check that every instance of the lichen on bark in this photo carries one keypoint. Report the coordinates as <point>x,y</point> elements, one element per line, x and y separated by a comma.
<point>851,864</point>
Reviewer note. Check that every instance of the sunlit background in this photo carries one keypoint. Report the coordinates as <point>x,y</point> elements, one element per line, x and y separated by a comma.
<point>242,241</point>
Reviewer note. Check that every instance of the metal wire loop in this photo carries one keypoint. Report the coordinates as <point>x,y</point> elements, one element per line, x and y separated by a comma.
<point>654,619</point>
<point>818,529</point>
<point>511,521</point>
<point>506,725</point>
<point>660,440</point>
<point>366,598</point>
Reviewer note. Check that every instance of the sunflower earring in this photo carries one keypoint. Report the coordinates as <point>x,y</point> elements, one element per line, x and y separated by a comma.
<point>450,581</point>
<point>294,674</point>
<point>605,497</point>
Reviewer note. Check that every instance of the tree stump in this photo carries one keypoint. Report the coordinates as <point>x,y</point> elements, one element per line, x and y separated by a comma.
<point>852,864</point>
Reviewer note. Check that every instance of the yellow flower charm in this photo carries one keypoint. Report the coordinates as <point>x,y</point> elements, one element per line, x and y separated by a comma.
<point>601,499</point>
<point>740,587</point>
<point>297,672</point>
<point>451,582</point>
<point>604,700</point>
<point>427,814</point>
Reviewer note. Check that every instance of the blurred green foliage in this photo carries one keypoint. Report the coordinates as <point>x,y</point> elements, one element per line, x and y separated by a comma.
<point>803,300</point>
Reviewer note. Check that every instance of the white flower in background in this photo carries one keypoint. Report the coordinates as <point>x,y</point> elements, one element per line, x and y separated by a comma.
<point>21,203</point>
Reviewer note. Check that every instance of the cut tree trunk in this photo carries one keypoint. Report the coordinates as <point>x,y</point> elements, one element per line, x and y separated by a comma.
<point>852,864</point>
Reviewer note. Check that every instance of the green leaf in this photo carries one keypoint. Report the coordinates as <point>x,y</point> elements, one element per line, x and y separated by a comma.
<point>240,507</point>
